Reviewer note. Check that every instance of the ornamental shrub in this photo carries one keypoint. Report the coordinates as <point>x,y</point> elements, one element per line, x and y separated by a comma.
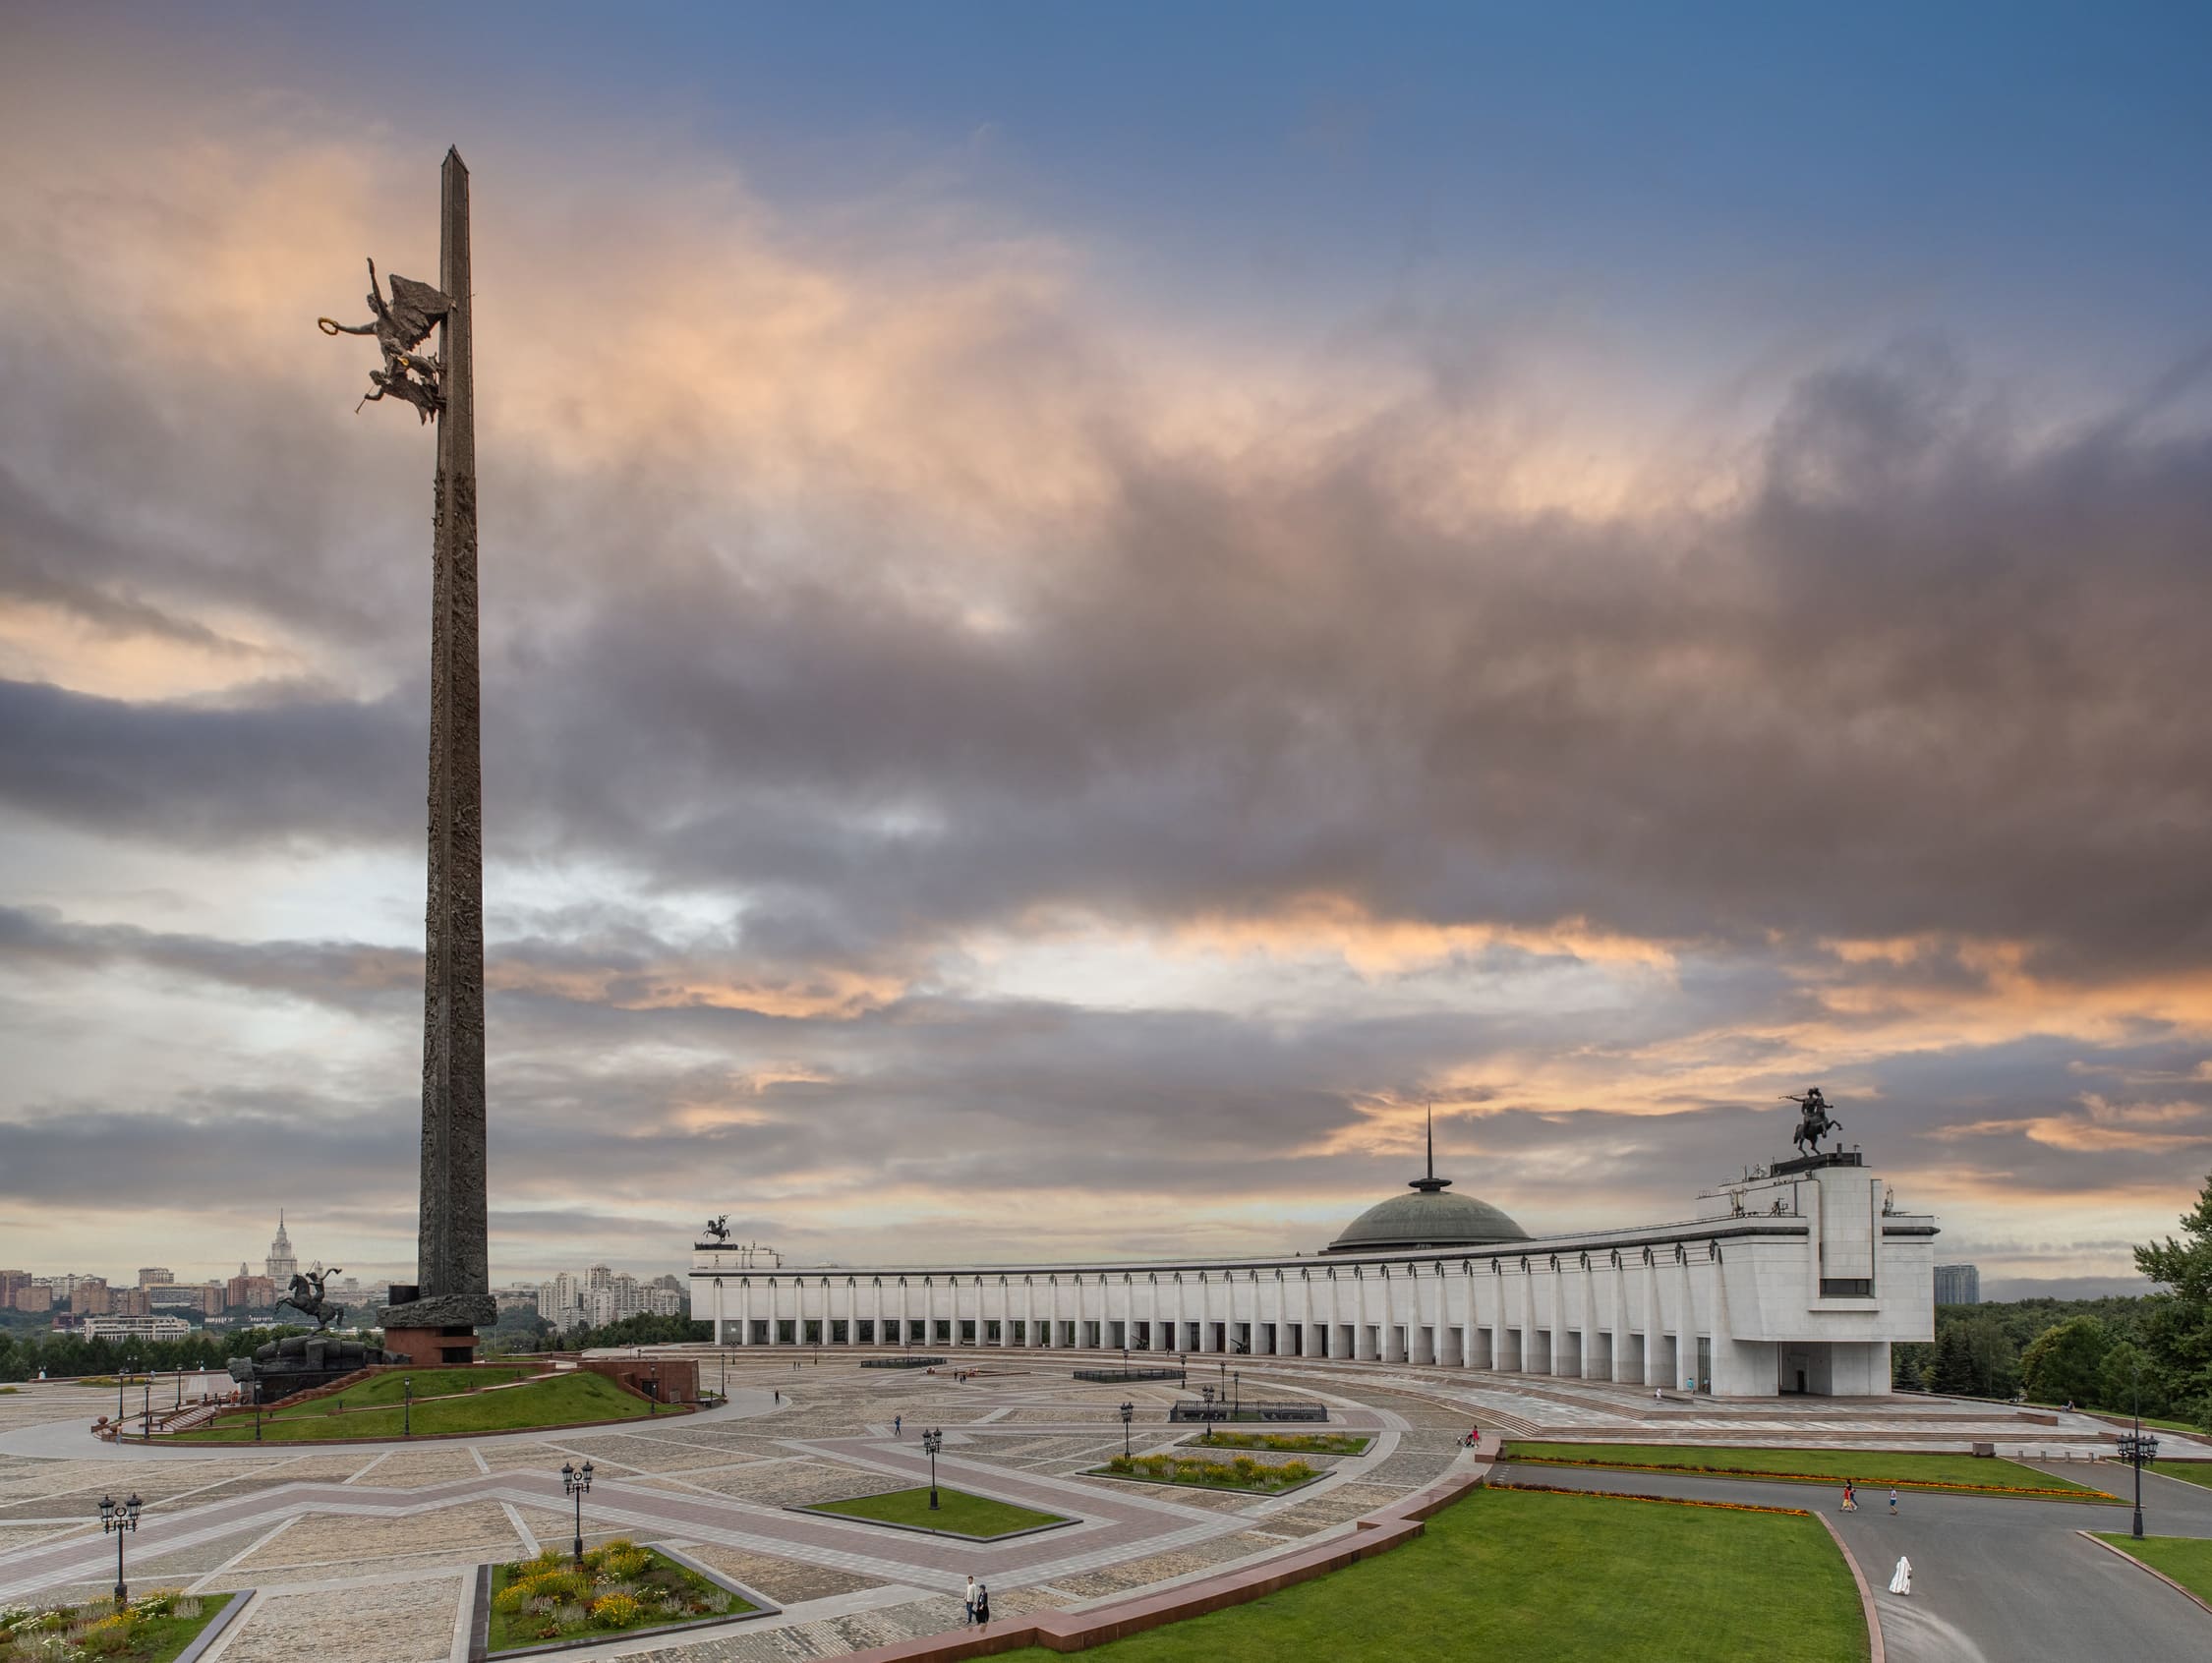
<point>616,1610</point>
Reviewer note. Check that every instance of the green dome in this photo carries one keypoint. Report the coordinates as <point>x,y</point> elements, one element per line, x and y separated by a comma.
<point>1428,1217</point>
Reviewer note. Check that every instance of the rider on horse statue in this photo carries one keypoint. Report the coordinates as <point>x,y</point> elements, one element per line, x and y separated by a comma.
<point>1814,1124</point>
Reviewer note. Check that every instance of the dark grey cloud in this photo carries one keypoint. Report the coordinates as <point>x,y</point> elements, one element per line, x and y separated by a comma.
<point>1927,677</point>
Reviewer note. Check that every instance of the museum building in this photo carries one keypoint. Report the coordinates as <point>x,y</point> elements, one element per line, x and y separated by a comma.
<point>1797,1278</point>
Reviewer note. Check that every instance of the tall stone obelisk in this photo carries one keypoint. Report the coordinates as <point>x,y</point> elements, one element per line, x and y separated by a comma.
<point>435,1320</point>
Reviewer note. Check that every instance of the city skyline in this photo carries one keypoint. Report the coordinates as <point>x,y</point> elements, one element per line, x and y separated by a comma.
<point>1076,633</point>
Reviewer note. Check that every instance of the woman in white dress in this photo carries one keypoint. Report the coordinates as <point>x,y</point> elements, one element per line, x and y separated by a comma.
<point>1901,1581</point>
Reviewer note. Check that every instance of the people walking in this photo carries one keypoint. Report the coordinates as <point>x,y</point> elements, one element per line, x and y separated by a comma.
<point>1892,1501</point>
<point>970,1599</point>
<point>1850,1497</point>
<point>982,1604</point>
<point>1900,1579</point>
<point>898,1424</point>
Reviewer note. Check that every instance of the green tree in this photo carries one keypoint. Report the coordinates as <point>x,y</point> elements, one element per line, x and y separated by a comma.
<point>2125,1366</point>
<point>2064,1364</point>
<point>1953,1367</point>
<point>1992,1359</point>
<point>2178,1327</point>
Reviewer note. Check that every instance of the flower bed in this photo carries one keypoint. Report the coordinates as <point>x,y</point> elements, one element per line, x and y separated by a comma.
<point>547,1600</point>
<point>1260,1478</point>
<point>152,1629</point>
<point>1663,1500</point>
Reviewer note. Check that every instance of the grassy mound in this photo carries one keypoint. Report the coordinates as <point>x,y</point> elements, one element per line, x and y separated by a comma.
<point>557,1400</point>
<point>1547,1578</point>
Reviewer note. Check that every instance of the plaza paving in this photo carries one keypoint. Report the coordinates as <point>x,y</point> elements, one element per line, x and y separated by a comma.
<point>367,1550</point>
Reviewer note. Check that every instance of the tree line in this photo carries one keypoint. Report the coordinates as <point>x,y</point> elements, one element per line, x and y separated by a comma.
<point>62,1356</point>
<point>2107,1355</point>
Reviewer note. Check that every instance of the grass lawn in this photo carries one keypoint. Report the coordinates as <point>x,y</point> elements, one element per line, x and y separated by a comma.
<point>2189,1472</point>
<point>1241,1473</point>
<point>157,1627</point>
<point>1544,1579</point>
<point>2185,1559</point>
<point>558,1400</point>
<point>957,1513</point>
<point>379,1390</point>
<point>1907,1469</point>
<point>383,1389</point>
<point>539,1601</point>
<point>1286,1443</point>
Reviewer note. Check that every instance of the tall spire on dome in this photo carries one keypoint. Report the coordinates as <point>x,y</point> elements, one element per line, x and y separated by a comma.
<point>1432,1185</point>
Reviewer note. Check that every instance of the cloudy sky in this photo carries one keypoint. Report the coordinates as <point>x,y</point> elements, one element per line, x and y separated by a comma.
<point>1086,607</point>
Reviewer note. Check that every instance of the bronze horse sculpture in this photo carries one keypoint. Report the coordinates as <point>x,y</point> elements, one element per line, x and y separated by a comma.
<point>1814,1124</point>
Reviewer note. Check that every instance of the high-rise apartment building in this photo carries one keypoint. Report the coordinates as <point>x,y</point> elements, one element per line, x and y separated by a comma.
<point>156,1276</point>
<point>1958,1285</point>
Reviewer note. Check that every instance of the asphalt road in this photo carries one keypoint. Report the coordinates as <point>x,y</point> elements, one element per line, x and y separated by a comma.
<point>1992,1580</point>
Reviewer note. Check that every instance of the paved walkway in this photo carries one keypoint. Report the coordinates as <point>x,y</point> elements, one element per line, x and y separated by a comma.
<point>365,1552</point>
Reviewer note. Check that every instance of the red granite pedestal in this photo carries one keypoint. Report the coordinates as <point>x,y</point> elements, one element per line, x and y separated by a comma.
<point>431,1347</point>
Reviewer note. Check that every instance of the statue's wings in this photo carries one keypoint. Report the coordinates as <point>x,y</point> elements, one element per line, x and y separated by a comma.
<point>415,309</point>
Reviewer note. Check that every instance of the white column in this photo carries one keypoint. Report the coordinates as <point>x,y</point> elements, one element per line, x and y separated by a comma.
<point>1466,1315</point>
<point>1686,1328</point>
<point>1655,1330</point>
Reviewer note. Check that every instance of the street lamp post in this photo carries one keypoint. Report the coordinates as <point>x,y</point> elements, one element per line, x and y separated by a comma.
<point>257,1385</point>
<point>114,1521</point>
<point>2135,1450</point>
<point>653,1392</point>
<point>932,1441</point>
<point>1236,1402</point>
<point>407,1407</point>
<point>1206,1393</point>
<point>579,1485</point>
<point>146,1413</point>
<point>1127,1411</point>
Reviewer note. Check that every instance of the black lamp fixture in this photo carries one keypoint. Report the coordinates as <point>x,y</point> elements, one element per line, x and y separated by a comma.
<point>407,1407</point>
<point>2135,1449</point>
<point>579,1485</point>
<point>932,1441</point>
<point>114,1521</point>
<point>1129,1411</point>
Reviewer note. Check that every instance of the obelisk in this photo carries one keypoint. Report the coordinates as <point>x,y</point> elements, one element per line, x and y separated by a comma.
<point>435,1321</point>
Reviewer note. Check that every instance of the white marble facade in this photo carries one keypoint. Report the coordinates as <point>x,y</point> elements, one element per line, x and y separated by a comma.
<point>1795,1283</point>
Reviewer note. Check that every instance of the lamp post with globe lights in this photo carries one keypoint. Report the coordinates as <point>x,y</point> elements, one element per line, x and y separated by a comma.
<point>932,1441</point>
<point>1128,1411</point>
<point>115,1521</point>
<point>578,1484</point>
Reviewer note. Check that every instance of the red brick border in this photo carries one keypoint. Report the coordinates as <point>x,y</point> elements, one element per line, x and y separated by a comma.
<point>2185,1593</point>
<point>1877,1652</point>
